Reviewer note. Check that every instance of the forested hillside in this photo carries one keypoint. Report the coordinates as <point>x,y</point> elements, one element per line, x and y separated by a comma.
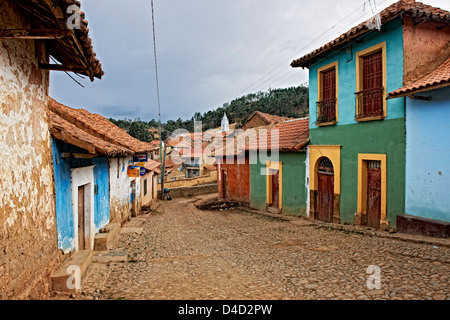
<point>288,102</point>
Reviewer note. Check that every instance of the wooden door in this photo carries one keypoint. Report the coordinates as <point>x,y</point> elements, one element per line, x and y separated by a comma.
<point>325,205</point>
<point>374,194</point>
<point>225,184</point>
<point>81,223</point>
<point>276,188</point>
<point>373,84</point>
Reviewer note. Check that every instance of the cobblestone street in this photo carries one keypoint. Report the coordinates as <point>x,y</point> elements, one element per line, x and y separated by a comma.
<point>181,252</point>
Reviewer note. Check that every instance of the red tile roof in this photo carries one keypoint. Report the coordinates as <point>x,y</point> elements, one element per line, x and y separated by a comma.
<point>269,118</point>
<point>293,135</point>
<point>152,165</point>
<point>398,9</point>
<point>92,132</point>
<point>440,77</point>
<point>210,167</point>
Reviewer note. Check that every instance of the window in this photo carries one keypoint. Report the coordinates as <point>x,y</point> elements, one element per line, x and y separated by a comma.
<point>371,84</point>
<point>327,94</point>
<point>145,187</point>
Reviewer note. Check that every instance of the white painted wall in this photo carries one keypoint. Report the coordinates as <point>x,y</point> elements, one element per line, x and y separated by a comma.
<point>84,177</point>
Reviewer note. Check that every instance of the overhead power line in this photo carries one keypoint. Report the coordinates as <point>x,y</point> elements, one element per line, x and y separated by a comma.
<point>298,52</point>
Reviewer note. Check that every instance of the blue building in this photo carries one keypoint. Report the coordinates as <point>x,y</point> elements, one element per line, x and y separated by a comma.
<point>427,200</point>
<point>84,148</point>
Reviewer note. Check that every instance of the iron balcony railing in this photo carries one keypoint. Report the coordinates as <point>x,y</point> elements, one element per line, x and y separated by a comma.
<point>326,111</point>
<point>369,103</point>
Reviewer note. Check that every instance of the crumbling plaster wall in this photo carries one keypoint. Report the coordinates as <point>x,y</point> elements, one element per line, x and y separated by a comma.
<point>426,46</point>
<point>120,205</point>
<point>28,241</point>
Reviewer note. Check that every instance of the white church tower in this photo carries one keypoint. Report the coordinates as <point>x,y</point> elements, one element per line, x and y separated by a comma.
<point>225,124</point>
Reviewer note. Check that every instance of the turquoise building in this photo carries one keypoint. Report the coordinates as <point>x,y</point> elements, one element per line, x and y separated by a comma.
<point>357,150</point>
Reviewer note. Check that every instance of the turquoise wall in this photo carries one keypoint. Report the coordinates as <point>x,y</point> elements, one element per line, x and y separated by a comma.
<point>393,35</point>
<point>428,155</point>
<point>294,184</point>
<point>379,137</point>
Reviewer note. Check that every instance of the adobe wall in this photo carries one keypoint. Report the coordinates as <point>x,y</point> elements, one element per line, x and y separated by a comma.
<point>426,46</point>
<point>28,239</point>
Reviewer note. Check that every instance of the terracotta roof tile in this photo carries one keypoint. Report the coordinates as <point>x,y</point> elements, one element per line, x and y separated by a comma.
<point>210,167</point>
<point>269,118</point>
<point>402,7</point>
<point>152,165</point>
<point>67,122</point>
<point>439,77</point>
<point>293,135</point>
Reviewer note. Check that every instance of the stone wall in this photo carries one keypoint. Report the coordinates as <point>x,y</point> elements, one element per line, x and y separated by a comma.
<point>190,182</point>
<point>28,238</point>
<point>191,191</point>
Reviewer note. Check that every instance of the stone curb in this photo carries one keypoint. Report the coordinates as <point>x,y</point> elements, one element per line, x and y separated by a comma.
<point>355,229</point>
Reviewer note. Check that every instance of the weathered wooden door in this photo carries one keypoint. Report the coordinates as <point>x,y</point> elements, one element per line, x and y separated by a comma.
<point>373,84</point>
<point>81,223</point>
<point>276,188</point>
<point>325,203</point>
<point>225,184</point>
<point>373,194</point>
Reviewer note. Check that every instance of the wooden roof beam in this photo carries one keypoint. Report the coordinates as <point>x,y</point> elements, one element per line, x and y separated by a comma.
<point>60,67</point>
<point>35,34</point>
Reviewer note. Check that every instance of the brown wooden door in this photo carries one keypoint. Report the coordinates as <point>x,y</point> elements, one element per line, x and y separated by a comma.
<point>276,188</point>
<point>81,224</point>
<point>225,184</point>
<point>373,84</point>
<point>325,205</point>
<point>373,195</point>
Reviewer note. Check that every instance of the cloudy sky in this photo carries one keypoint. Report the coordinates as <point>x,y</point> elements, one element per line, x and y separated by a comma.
<point>209,51</point>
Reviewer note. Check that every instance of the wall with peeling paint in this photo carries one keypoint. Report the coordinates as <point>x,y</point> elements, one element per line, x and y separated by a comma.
<point>28,241</point>
<point>427,156</point>
<point>63,189</point>
<point>120,189</point>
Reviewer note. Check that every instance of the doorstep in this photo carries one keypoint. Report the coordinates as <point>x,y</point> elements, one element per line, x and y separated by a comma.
<point>104,240</point>
<point>80,259</point>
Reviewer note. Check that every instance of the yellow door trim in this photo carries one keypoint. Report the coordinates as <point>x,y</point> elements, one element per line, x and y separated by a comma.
<point>274,165</point>
<point>331,152</point>
<point>362,183</point>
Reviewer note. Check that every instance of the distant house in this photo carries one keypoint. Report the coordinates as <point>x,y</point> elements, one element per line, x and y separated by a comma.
<point>233,165</point>
<point>259,119</point>
<point>31,32</point>
<point>277,168</point>
<point>357,136</point>
<point>149,183</point>
<point>427,201</point>
<point>193,163</point>
<point>93,187</point>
